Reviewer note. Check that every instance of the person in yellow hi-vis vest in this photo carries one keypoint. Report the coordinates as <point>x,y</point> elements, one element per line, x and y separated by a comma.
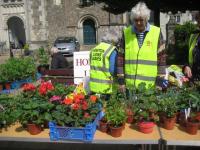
<point>103,64</point>
<point>192,70</point>
<point>141,43</point>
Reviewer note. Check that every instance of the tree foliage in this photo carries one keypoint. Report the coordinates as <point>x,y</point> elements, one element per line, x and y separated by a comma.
<point>178,53</point>
<point>120,6</point>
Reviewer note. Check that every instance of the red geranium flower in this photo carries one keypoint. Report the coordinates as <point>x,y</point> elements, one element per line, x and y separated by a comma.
<point>49,86</point>
<point>85,105</point>
<point>45,87</point>
<point>77,100</point>
<point>29,87</point>
<point>75,106</point>
<point>68,101</point>
<point>79,96</point>
<point>93,98</point>
<point>86,115</point>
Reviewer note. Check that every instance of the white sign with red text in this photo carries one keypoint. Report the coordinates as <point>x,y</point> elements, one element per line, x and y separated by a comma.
<point>81,66</point>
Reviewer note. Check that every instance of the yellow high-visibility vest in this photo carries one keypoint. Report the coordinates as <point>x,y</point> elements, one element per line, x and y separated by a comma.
<point>141,63</point>
<point>192,42</point>
<point>101,81</point>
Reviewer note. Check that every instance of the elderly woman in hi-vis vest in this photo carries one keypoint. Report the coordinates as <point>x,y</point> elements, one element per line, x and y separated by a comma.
<point>141,43</point>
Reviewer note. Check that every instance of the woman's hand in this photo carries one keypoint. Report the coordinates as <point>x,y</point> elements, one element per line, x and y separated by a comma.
<point>187,71</point>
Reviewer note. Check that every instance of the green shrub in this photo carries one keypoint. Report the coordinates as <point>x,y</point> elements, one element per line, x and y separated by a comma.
<point>17,69</point>
<point>178,53</point>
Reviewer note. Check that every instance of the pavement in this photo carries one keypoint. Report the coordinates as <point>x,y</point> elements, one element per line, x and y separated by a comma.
<point>3,58</point>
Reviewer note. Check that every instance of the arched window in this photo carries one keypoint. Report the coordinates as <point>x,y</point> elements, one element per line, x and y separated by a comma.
<point>89,32</point>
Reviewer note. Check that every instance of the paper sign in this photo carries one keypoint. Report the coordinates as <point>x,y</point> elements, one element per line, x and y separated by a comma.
<point>81,66</point>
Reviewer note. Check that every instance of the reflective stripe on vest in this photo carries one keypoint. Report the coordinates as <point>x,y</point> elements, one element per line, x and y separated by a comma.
<point>101,81</point>
<point>141,63</point>
<point>192,43</point>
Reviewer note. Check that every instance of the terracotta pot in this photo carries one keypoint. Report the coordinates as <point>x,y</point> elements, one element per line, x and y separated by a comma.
<point>197,117</point>
<point>116,131</point>
<point>182,121</point>
<point>103,126</point>
<point>33,129</point>
<point>192,127</point>
<point>169,123</point>
<point>7,86</point>
<point>146,127</point>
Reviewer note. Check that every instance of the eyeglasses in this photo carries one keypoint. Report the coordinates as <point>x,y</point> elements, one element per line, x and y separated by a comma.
<point>138,20</point>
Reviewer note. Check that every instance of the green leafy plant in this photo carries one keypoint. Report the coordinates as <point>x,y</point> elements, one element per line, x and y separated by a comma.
<point>168,102</point>
<point>26,49</point>
<point>61,90</point>
<point>2,77</point>
<point>42,56</point>
<point>115,111</point>
<point>36,111</point>
<point>17,69</point>
<point>194,101</point>
<point>9,110</point>
<point>76,110</point>
<point>36,106</point>
<point>145,104</point>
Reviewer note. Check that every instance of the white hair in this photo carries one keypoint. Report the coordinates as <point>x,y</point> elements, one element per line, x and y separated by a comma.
<point>54,50</point>
<point>140,10</point>
<point>111,36</point>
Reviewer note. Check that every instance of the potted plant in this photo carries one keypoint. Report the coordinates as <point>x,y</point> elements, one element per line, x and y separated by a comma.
<point>146,110</point>
<point>103,124</point>
<point>129,103</point>
<point>168,106</point>
<point>116,116</point>
<point>43,59</point>
<point>76,110</point>
<point>193,118</point>
<point>36,107</point>
<point>35,115</point>
<point>26,50</point>
<point>9,110</point>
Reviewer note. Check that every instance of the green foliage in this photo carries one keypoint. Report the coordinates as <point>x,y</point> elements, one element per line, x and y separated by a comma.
<point>195,101</point>
<point>168,102</point>
<point>115,111</point>
<point>35,111</point>
<point>61,90</point>
<point>42,56</point>
<point>17,69</point>
<point>178,53</point>
<point>66,115</point>
<point>145,104</point>
<point>9,110</point>
<point>26,47</point>
<point>3,78</point>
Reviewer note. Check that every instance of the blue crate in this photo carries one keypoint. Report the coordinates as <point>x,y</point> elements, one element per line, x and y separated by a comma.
<point>38,76</point>
<point>6,91</point>
<point>85,134</point>
<point>17,84</point>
